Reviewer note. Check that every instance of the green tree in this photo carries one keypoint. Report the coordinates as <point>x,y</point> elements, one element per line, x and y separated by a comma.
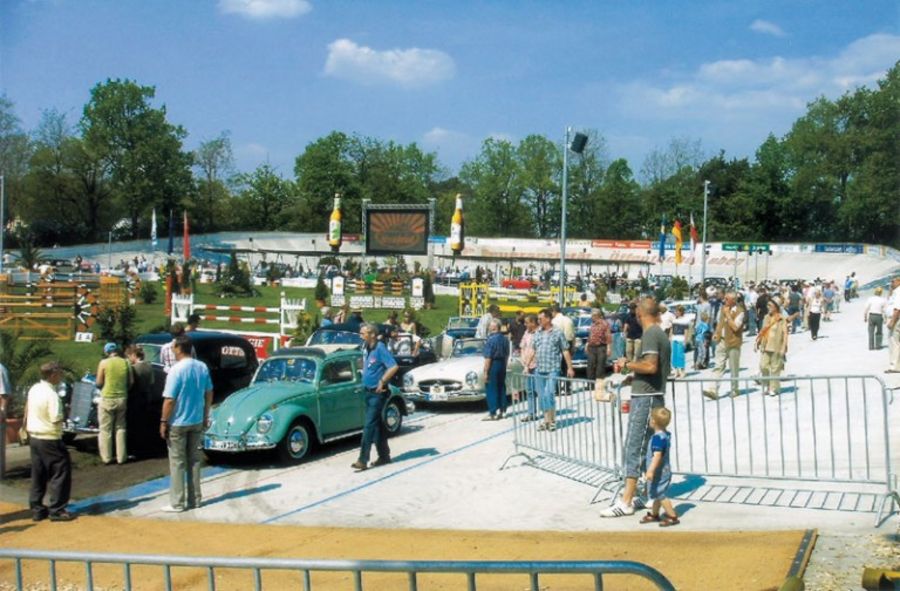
<point>324,168</point>
<point>264,199</point>
<point>141,150</point>
<point>214,162</point>
<point>619,200</point>
<point>585,182</point>
<point>498,201</point>
<point>541,164</point>
<point>15,152</point>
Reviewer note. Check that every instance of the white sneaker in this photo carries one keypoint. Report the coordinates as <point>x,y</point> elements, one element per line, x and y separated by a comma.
<point>171,509</point>
<point>618,509</point>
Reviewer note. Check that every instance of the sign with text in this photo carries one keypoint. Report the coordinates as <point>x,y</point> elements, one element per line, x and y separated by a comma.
<point>840,248</point>
<point>745,247</point>
<point>397,231</point>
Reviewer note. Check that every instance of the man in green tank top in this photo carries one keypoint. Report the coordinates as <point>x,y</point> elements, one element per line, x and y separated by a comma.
<point>114,380</point>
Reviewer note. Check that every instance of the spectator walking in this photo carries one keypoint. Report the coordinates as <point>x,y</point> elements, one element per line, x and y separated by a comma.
<point>772,344</point>
<point>51,467</point>
<point>550,348</point>
<point>794,308</point>
<point>702,337</point>
<point>659,472</point>
<point>187,398</point>
<point>893,326</point>
<point>114,380</point>
<point>648,386</point>
<point>379,367</point>
<point>828,296</point>
<point>816,308</point>
<point>599,345</point>
<point>873,316</point>
<point>729,335</point>
<point>633,333</point>
<point>496,356</point>
<point>529,363</point>
<point>142,378</point>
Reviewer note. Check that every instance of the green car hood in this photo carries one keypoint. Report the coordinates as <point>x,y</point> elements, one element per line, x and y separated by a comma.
<point>241,409</point>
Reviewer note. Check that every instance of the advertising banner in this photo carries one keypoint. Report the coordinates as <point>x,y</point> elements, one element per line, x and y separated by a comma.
<point>840,248</point>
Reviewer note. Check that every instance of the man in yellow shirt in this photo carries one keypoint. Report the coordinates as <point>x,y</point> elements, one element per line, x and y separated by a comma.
<point>51,466</point>
<point>114,380</point>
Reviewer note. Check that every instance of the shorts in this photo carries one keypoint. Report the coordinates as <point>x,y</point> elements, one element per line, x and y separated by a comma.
<point>657,489</point>
<point>639,432</point>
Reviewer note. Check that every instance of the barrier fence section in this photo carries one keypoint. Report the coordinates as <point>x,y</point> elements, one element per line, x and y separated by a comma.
<point>304,568</point>
<point>586,444</point>
<point>822,442</point>
<point>284,316</point>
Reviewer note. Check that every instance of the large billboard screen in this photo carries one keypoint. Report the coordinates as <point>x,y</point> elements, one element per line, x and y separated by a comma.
<point>396,231</point>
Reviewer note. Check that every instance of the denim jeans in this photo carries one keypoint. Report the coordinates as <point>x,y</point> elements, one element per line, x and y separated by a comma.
<point>495,388</point>
<point>639,432</point>
<point>374,431</point>
<point>531,395</point>
<point>545,382</point>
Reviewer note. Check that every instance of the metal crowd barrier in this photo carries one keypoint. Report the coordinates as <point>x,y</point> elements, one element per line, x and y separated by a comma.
<point>822,442</point>
<point>587,443</point>
<point>304,568</point>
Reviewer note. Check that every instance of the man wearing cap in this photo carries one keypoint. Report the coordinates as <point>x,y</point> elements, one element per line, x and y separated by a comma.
<point>114,379</point>
<point>51,467</point>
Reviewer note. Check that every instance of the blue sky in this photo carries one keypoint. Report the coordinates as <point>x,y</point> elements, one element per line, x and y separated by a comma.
<point>277,74</point>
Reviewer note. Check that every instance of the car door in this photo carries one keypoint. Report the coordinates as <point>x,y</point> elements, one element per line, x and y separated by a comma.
<point>340,397</point>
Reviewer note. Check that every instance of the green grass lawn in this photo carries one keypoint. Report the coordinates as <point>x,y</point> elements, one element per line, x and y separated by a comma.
<point>83,357</point>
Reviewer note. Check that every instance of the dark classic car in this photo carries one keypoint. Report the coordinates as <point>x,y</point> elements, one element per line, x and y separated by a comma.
<point>300,397</point>
<point>231,360</point>
<point>402,346</point>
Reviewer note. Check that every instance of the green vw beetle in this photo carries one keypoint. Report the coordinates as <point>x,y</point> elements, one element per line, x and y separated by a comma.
<point>298,398</point>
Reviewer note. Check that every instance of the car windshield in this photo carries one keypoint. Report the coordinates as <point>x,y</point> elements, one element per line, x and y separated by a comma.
<point>286,369</point>
<point>401,345</point>
<point>461,322</point>
<point>335,337</point>
<point>468,347</point>
<point>583,321</point>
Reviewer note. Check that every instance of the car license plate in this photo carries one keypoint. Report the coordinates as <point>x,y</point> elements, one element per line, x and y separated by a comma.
<point>437,393</point>
<point>223,444</point>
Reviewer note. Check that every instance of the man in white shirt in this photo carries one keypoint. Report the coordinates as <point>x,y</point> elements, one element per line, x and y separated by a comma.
<point>873,316</point>
<point>666,319</point>
<point>481,331</point>
<point>565,325</point>
<point>51,466</point>
<point>893,325</point>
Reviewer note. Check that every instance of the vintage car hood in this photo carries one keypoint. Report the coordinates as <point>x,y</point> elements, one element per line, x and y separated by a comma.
<point>454,368</point>
<point>241,409</point>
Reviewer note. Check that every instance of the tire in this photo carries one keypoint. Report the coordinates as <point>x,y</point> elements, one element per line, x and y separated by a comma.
<point>297,443</point>
<point>393,418</point>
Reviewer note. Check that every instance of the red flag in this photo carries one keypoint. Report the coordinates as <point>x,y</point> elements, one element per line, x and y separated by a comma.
<point>187,238</point>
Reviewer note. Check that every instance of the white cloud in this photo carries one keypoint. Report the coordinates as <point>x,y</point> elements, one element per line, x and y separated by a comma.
<point>767,28</point>
<point>439,137</point>
<point>408,68</point>
<point>744,88</point>
<point>265,9</point>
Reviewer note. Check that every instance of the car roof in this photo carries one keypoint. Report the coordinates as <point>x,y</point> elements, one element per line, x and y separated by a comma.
<point>196,335</point>
<point>316,352</point>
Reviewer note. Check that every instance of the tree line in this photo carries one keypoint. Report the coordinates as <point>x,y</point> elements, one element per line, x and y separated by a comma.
<point>832,177</point>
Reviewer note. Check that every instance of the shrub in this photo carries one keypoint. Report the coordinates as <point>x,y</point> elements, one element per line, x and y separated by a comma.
<point>22,359</point>
<point>428,291</point>
<point>148,292</point>
<point>321,293</point>
<point>235,281</point>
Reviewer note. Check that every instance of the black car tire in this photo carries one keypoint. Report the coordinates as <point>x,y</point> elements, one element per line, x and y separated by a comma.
<point>297,442</point>
<point>393,418</point>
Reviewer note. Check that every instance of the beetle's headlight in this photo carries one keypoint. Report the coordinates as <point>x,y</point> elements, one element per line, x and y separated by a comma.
<point>264,423</point>
<point>408,381</point>
<point>472,378</point>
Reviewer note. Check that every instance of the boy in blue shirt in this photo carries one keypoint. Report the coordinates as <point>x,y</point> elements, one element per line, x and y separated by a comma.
<point>659,474</point>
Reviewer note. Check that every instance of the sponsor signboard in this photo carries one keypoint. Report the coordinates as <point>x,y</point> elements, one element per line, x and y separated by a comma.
<point>670,246</point>
<point>418,287</point>
<point>840,248</point>
<point>337,285</point>
<point>785,248</point>
<point>746,247</point>
<point>262,344</point>
<point>645,244</point>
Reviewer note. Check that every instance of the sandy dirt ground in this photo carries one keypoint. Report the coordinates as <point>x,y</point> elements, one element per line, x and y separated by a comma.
<point>717,560</point>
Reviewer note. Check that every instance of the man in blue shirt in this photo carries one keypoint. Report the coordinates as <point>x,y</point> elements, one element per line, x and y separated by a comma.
<point>186,402</point>
<point>496,354</point>
<point>378,369</point>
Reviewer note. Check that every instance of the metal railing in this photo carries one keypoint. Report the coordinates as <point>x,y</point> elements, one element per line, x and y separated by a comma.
<point>593,570</point>
<point>821,442</point>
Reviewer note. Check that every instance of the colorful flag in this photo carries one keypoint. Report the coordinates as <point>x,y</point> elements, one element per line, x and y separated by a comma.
<point>153,240</point>
<point>187,239</point>
<point>679,242</point>
<point>171,232</point>
<point>662,240</point>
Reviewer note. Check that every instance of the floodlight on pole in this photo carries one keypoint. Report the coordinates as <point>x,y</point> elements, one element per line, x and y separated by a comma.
<point>577,146</point>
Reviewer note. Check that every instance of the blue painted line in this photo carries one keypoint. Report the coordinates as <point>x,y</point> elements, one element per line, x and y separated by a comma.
<point>138,491</point>
<point>366,485</point>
